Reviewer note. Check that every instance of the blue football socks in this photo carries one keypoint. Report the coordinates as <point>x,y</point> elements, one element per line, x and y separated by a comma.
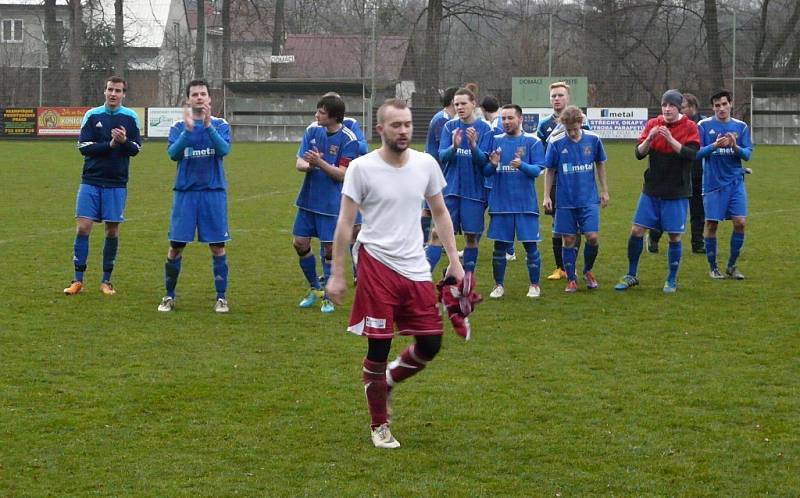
<point>109,257</point>
<point>308,264</point>
<point>499,261</point>
<point>79,255</point>
<point>737,241</point>
<point>433,255</point>
<point>534,261</point>
<point>635,247</point>
<point>569,255</point>
<point>674,260</point>
<point>470,258</point>
<point>220,267</point>
<point>172,268</point>
<point>711,252</point>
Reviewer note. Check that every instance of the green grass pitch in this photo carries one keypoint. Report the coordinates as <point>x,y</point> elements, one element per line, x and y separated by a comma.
<point>594,394</point>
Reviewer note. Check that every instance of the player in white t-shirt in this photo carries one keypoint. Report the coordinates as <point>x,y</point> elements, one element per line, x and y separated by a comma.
<point>394,279</point>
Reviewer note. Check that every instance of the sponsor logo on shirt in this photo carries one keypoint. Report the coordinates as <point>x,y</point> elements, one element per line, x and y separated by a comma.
<point>463,152</point>
<point>376,323</point>
<point>569,168</point>
<point>189,152</point>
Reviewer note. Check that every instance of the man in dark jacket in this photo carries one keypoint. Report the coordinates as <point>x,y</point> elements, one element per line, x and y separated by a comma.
<point>671,141</point>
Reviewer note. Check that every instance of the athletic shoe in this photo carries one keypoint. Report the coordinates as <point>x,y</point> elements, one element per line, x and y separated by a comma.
<point>382,437</point>
<point>534,291</point>
<point>652,244</point>
<point>460,254</point>
<point>591,282</point>
<point>511,257</point>
<point>107,289</point>
<point>221,306</point>
<point>670,287</point>
<point>497,292</point>
<point>557,274</point>
<point>167,304</point>
<point>748,171</point>
<point>74,287</point>
<point>626,282</point>
<point>572,287</point>
<point>715,274</point>
<point>311,297</point>
<point>735,274</point>
<point>327,306</point>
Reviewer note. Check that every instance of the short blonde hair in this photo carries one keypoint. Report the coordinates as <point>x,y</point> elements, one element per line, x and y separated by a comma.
<point>395,103</point>
<point>571,115</point>
<point>559,84</point>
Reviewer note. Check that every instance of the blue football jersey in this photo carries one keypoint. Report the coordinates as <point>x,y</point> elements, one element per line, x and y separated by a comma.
<point>200,161</point>
<point>574,164</point>
<point>513,189</point>
<point>320,193</point>
<point>550,125</point>
<point>462,171</point>
<point>435,133</point>
<point>723,166</point>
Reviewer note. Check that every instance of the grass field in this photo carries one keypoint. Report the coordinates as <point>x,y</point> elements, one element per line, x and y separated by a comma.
<point>593,394</point>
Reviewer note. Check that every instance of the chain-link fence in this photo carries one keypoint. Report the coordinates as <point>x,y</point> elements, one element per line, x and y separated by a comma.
<point>54,52</point>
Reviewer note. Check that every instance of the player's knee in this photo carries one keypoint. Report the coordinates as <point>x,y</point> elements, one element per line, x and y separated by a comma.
<point>637,231</point>
<point>592,238</point>
<point>217,248</point>
<point>428,345</point>
<point>568,240</point>
<point>301,246</point>
<point>178,246</point>
<point>84,227</point>
<point>738,224</point>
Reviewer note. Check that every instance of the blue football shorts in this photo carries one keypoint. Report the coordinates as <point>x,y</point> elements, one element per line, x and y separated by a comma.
<point>467,214</point>
<point>101,203</point>
<point>568,221</point>
<point>505,226</point>
<point>203,211</point>
<point>667,215</point>
<point>310,224</point>
<point>725,203</point>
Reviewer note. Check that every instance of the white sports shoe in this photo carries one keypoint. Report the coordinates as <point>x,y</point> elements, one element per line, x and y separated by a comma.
<point>511,257</point>
<point>497,292</point>
<point>534,291</point>
<point>221,306</point>
<point>167,304</point>
<point>382,437</point>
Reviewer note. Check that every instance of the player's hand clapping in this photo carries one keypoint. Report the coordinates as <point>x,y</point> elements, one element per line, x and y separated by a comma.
<point>206,110</point>
<point>188,120</point>
<point>472,137</point>
<point>456,138</point>
<point>118,136</point>
<point>494,158</point>
<point>312,157</point>
<point>516,162</point>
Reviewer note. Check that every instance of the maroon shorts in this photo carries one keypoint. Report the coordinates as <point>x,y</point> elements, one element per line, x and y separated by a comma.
<point>385,299</point>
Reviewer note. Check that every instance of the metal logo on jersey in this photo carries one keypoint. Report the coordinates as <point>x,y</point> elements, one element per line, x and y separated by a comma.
<point>587,150</point>
<point>332,150</point>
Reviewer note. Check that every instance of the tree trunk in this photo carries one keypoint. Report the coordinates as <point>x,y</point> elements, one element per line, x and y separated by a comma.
<point>75,54</point>
<point>429,74</point>
<point>200,40</point>
<point>119,43</point>
<point>277,37</point>
<point>226,40</point>
<point>52,35</point>
<point>712,35</point>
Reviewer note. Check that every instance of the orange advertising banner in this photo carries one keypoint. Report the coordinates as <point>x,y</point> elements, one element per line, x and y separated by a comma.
<point>60,121</point>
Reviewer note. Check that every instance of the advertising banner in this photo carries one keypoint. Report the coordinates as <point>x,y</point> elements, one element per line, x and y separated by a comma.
<point>534,91</point>
<point>160,119</point>
<point>18,122</point>
<point>60,121</point>
<point>617,122</point>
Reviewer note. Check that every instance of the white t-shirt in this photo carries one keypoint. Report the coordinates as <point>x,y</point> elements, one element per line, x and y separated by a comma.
<point>390,198</point>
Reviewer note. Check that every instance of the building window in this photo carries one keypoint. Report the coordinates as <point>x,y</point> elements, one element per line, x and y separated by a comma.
<point>12,31</point>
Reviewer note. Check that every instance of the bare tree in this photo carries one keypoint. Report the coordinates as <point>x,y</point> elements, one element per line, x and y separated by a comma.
<point>277,36</point>
<point>712,34</point>
<point>75,52</point>
<point>119,42</point>
<point>200,40</point>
